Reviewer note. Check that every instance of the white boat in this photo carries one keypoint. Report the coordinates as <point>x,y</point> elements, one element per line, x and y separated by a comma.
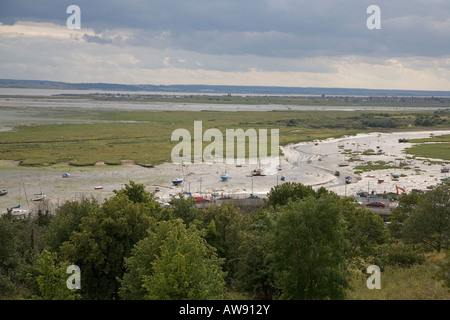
<point>38,197</point>
<point>3,192</point>
<point>343,164</point>
<point>18,212</point>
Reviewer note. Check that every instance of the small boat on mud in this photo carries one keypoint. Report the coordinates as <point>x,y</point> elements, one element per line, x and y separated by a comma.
<point>38,197</point>
<point>177,181</point>
<point>18,212</point>
<point>224,176</point>
<point>3,192</point>
<point>257,172</point>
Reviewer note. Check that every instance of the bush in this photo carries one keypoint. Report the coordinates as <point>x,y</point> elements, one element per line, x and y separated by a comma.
<point>397,255</point>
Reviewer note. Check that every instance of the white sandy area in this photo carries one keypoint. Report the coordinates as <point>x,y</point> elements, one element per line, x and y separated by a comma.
<point>204,179</point>
<point>392,151</point>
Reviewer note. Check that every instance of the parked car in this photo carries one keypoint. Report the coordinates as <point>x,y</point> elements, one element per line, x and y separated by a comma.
<point>375,204</point>
<point>201,199</point>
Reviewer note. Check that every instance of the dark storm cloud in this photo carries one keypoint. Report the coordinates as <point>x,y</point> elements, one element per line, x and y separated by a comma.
<point>268,28</point>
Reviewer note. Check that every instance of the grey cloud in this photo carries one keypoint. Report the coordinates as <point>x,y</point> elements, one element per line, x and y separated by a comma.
<point>265,28</point>
<point>96,39</point>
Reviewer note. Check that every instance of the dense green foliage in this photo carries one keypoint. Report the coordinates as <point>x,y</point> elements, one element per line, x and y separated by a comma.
<point>302,244</point>
<point>308,249</point>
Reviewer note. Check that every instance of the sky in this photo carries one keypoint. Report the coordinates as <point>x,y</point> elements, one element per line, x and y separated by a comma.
<point>287,43</point>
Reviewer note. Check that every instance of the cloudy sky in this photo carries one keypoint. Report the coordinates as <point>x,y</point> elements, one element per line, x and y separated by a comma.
<point>303,43</point>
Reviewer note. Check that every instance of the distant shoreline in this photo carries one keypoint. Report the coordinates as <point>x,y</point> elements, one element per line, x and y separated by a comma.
<point>215,89</point>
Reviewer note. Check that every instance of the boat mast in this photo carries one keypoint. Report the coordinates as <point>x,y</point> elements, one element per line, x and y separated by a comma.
<point>25,191</point>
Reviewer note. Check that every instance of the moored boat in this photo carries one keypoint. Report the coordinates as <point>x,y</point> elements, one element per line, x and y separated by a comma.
<point>224,176</point>
<point>257,172</point>
<point>177,181</point>
<point>38,197</point>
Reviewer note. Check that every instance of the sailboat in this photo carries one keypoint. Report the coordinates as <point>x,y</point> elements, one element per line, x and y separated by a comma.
<point>224,175</point>
<point>178,181</point>
<point>17,210</point>
<point>39,196</point>
<point>258,171</point>
<point>66,174</point>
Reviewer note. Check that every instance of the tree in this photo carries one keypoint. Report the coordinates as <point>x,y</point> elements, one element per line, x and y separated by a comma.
<point>136,193</point>
<point>10,257</point>
<point>185,209</point>
<point>225,226</point>
<point>429,223</point>
<point>308,249</point>
<point>173,262</point>
<point>407,203</point>
<point>52,278</point>
<point>67,220</point>
<point>187,268</point>
<point>106,237</point>
<point>364,231</point>
<point>254,271</point>
<point>20,244</point>
<point>291,191</point>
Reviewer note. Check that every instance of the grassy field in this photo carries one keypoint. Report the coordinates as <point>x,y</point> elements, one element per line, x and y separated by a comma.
<point>144,137</point>
<point>402,283</point>
<point>287,100</point>
<point>434,147</point>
